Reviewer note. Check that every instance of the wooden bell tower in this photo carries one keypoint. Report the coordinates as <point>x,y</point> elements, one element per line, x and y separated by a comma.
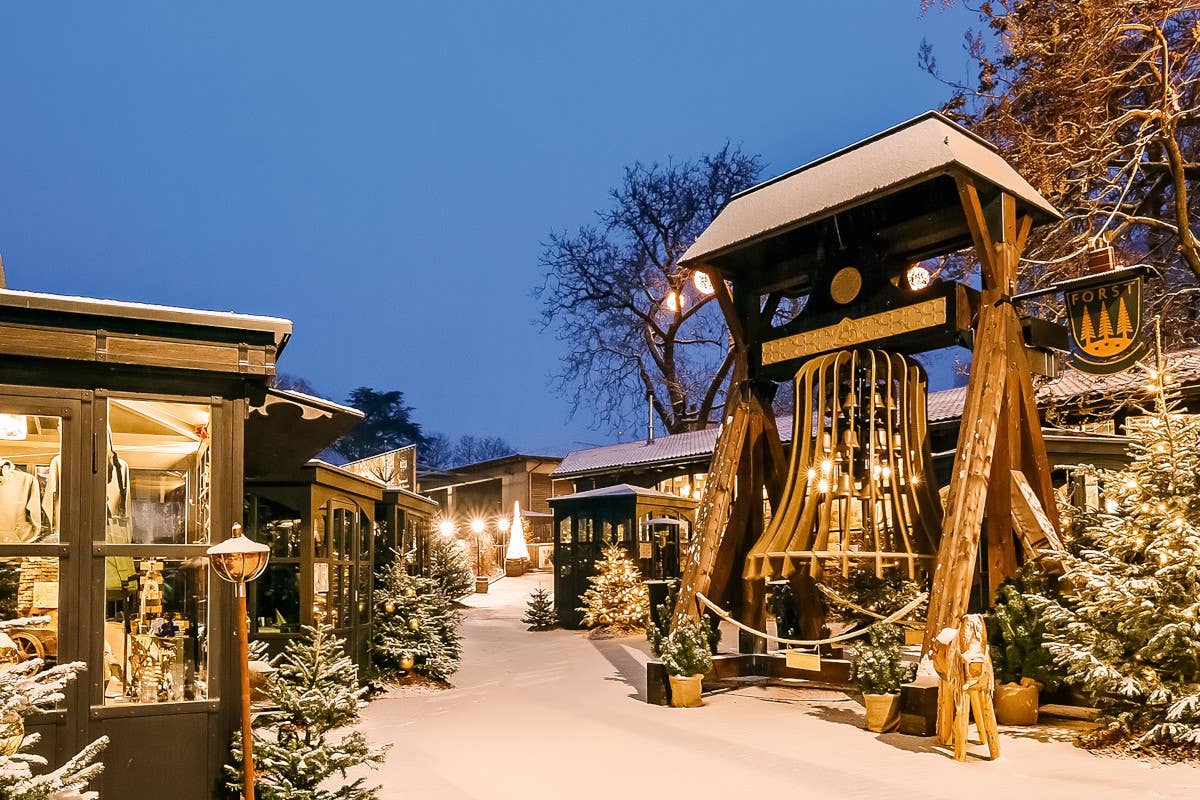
<point>840,235</point>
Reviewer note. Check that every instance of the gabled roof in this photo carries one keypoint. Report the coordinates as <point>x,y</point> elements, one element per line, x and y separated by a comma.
<point>912,153</point>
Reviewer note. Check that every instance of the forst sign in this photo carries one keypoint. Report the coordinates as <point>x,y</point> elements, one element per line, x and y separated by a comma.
<point>1105,313</point>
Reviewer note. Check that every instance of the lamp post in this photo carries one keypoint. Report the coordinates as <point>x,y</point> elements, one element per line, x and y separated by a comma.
<point>503,523</point>
<point>481,581</point>
<point>240,560</point>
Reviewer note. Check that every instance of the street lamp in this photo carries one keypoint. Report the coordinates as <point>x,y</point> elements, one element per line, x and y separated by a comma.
<point>446,528</point>
<point>240,560</point>
<point>481,581</point>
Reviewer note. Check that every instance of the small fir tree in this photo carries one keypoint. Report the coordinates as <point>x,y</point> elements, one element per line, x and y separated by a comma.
<point>413,619</point>
<point>1126,627</point>
<point>685,650</point>
<point>659,624</point>
<point>314,693</point>
<point>877,666</point>
<point>1017,632</point>
<point>539,611</point>
<point>450,567</point>
<point>616,599</point>
<point>25,688</point>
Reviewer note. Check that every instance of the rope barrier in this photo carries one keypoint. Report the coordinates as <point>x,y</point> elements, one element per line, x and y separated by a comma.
<point>723,614</point>
<point>844,603</point>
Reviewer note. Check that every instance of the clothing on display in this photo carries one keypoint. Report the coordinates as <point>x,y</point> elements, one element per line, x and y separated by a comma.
<point>52,496</point>
<point>20,504</point>
<point>117,529</point>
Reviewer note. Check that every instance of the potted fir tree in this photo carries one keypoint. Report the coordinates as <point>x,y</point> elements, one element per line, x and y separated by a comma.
<point>879,670</point>
<point>686,655</point>
<point>1022,663</point>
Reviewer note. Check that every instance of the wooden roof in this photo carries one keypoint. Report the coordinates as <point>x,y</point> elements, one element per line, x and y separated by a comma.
<point>894,193</point>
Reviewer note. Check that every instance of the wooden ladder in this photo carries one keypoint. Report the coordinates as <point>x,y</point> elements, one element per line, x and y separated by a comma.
<point>712,515</point>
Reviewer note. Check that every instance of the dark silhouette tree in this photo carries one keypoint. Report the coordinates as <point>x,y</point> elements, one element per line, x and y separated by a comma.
<point>387,424</point>
<point>1095,102</point>
<point>632,320</point>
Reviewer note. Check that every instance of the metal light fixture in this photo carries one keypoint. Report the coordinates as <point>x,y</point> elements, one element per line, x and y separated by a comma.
<point>703,283</point>
<point>239,560</point>
<point>918,277</point>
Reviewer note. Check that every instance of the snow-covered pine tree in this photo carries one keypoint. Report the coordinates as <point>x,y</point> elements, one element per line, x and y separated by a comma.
<point>413,618</point>
<point>450,566</point>
<point>616,598</point>
<point>314,692</point>
<point>24,689</point>
<point>539,610</point>
<point>1126,628</point>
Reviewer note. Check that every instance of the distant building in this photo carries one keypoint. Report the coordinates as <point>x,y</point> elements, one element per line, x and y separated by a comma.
<point>486,491</point>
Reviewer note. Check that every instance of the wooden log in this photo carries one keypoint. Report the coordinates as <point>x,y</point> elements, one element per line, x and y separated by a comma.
<point>1037,534</point>
<point>972,468</point>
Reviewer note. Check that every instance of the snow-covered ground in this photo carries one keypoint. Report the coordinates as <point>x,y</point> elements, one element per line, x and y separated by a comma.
<point>557,715</point>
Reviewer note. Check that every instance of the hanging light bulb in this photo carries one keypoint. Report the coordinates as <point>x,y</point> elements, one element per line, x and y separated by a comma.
<point>703,283</point>
<point>671,301</point>
<point>918,277</point>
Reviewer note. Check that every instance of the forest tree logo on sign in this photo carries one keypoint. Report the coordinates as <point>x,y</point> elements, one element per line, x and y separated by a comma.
<point>1106,325</point>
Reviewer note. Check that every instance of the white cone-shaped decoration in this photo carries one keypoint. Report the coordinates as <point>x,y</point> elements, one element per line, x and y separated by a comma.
<point>517,549</point>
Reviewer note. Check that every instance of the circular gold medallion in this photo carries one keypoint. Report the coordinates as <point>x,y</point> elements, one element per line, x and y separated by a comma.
<point>846,285</point>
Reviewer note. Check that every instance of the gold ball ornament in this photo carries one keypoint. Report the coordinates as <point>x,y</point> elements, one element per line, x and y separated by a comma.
<point>389,607</point>
<point>406,661</point>
<point>414,624</point>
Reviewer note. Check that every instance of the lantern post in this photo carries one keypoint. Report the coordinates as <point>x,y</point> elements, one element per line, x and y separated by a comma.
<point>239,560</point>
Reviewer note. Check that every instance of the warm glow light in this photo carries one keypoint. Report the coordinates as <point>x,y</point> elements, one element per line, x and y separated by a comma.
<point>1111,505</point>
<point>13,427</point>
<point>503,523</point>
<point>918,277</point>
<point>823,485</point>
<point>702,282</point>
<point>446,528</point>
<point>826,467</point>
<point>477,525</point>
<point>671,302</point>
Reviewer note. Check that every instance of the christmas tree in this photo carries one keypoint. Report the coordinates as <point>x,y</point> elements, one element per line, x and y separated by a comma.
<point>415,628</point>
<point>314,693</point>
<point>878,666</point>
<point>1126,628</point>
<point>450,567</point>
<point>26,688</point>
<point>616,599</point>
<point>1017,632</point>
<point>539,611</point>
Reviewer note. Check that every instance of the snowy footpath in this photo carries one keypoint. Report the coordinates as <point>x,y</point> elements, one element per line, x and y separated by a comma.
<point>557,715</point>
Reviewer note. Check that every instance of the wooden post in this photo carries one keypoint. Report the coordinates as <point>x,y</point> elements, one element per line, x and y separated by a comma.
<point>1000,429</point>
<point>243,635</point>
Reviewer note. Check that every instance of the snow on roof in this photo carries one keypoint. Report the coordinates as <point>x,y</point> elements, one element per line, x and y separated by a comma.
<point>620,490</point>
<point>922,147</point>
<point>280,328</point>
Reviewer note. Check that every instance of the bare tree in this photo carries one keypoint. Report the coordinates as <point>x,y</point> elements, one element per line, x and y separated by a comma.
<point>1096,103</point>
<point>473,449</point>
<point>634,324</point>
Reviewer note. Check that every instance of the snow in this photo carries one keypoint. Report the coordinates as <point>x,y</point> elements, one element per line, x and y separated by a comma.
<point>559,715</point>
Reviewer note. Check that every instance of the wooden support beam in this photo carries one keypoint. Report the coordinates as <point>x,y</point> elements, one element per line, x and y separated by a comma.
<point>977,225</point>
<point>1038,536</point>
<point>725,300</point>
<point>972,468</point>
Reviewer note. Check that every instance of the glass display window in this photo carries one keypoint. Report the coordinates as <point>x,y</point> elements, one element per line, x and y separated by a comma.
<point>31,515</point>
<point>276,605</point>
<point>564,530</point>
<point>156,631</point>
<point>158,472</point>
<point>30,478</point>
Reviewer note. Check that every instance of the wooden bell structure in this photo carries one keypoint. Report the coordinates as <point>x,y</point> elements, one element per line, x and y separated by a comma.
<point>844,233</point>
<point>860,491</point>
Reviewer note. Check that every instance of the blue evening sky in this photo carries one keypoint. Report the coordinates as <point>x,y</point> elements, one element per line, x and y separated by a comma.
<point>382,173</point>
